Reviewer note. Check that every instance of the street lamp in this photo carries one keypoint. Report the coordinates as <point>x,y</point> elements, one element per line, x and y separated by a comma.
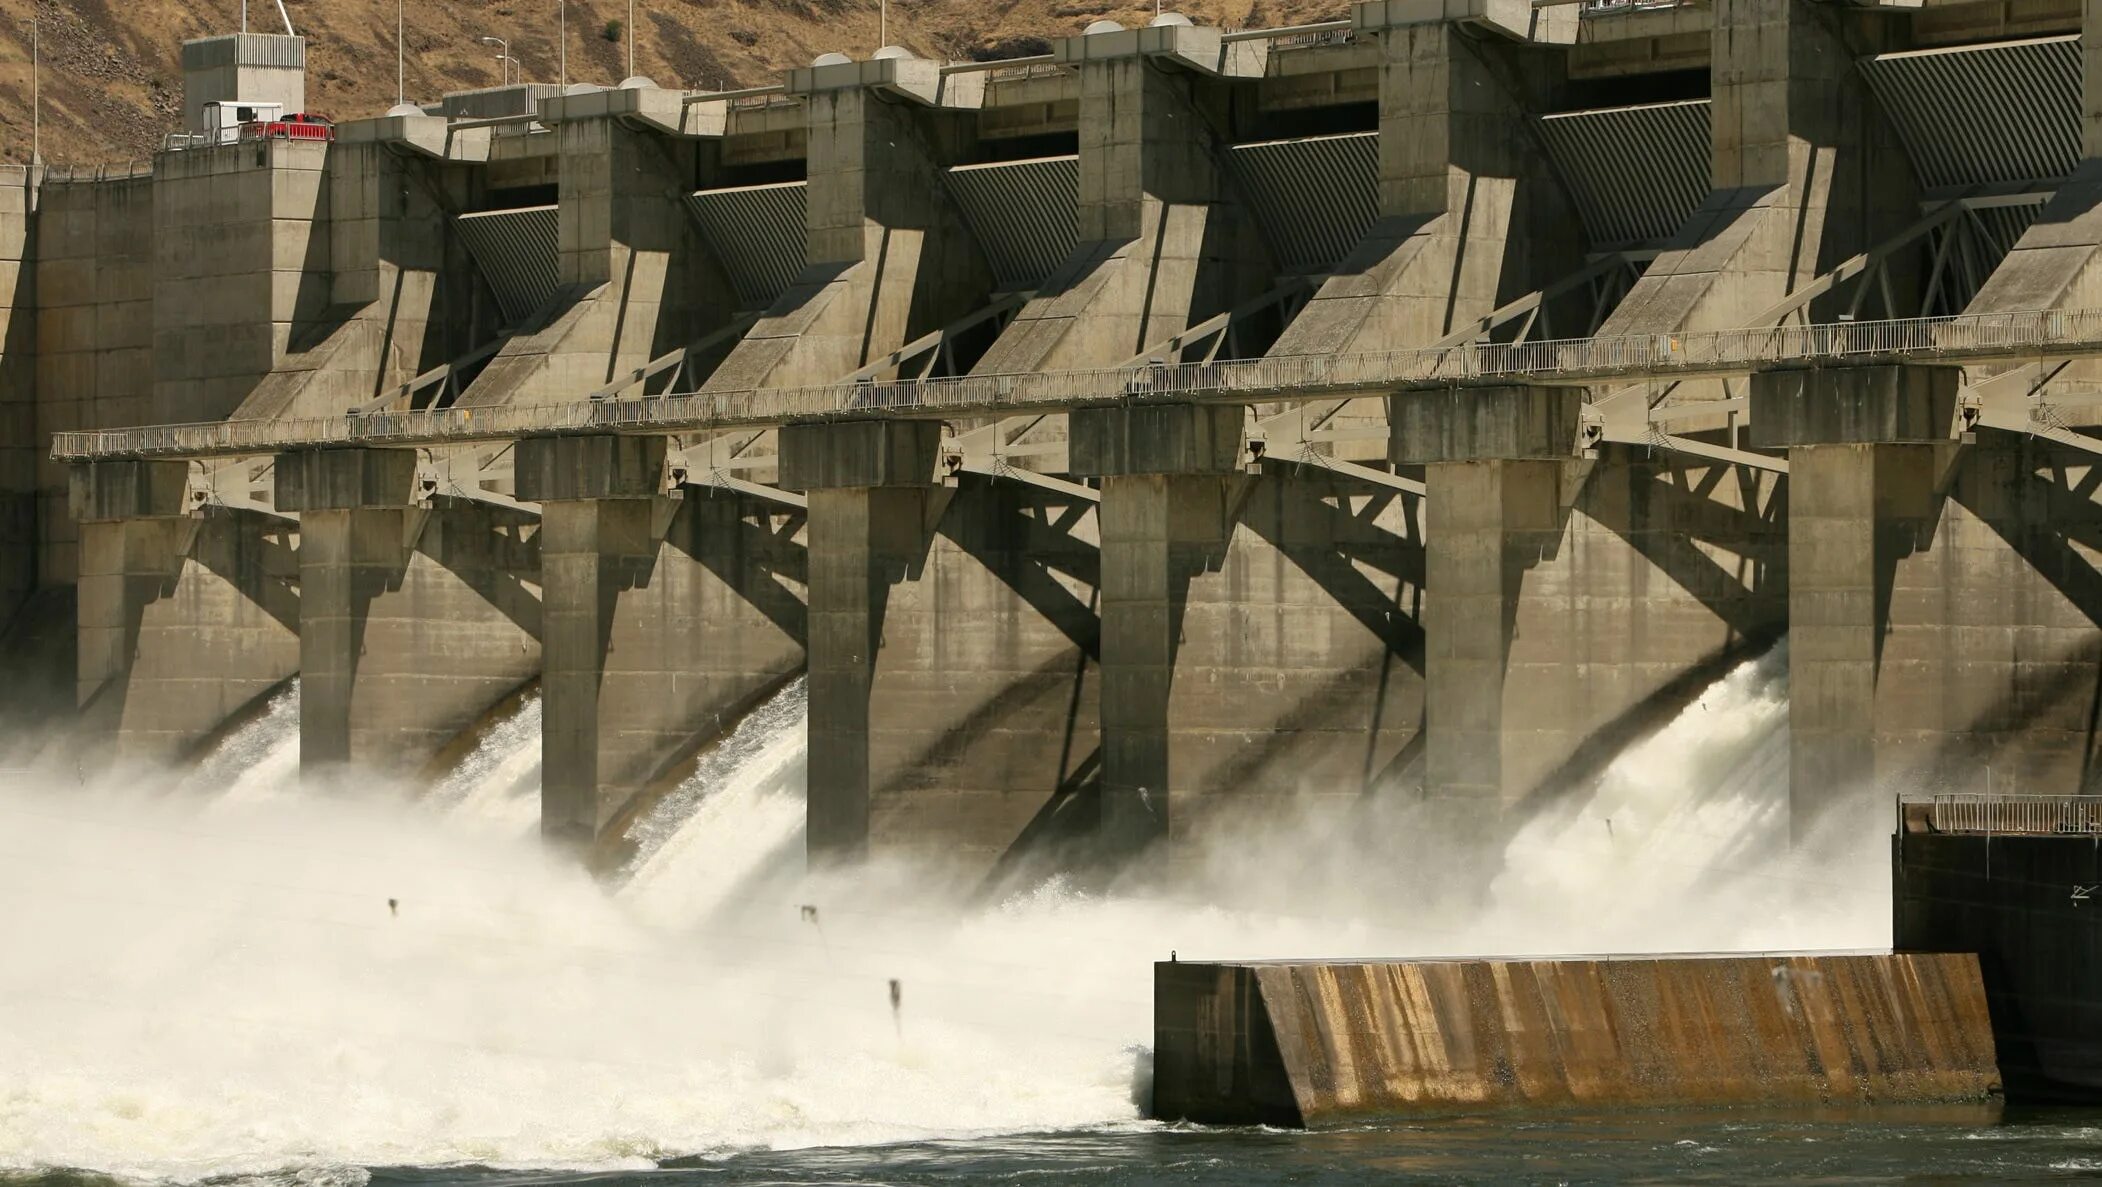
<point>503,59</point>
<point>36,92</point>
<point>562,44</point>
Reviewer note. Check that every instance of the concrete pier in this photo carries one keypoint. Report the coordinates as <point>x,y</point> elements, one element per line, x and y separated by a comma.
<point>667,613</point>
<point>1941,621</point>
<point>418,610</point>
<point>1673,570</point>
<point>1329,1042</point>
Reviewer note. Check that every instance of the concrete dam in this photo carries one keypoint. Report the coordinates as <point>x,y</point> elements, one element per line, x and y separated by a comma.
<point>1178,421</point>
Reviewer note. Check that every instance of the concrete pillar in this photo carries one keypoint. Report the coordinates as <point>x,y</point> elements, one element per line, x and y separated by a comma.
<point>1167,485</point>
<point>870,487</point>
<point>417,612</point>
<point>186,612</point>
<point>1163,241</point>
<point>1572,604</point>
<point>887,255</point>
<point>665,618</point>
<point>1942,617</point>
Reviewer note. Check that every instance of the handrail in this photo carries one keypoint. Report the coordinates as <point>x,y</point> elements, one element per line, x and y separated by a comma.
<point>1284,31</point>
<point>1683,355</point>
<point>725,96</point>
<point>998,64</point>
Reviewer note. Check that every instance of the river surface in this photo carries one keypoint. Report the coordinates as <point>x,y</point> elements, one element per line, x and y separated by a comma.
<point>226,976</point>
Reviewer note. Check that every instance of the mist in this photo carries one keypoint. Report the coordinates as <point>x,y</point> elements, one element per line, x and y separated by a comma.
<point>204,974</point>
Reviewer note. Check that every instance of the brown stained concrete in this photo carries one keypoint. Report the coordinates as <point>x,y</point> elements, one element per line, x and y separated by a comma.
<point>1322,1043</point>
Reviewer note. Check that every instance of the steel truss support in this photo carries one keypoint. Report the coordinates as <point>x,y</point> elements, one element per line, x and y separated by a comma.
<point>679,364</point>
<point>720,460</point>
<point>932,355</point>
<point>990,449</point>
<point>1220,335</point>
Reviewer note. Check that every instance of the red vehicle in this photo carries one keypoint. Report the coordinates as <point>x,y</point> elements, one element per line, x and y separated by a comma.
<point>300,125</point>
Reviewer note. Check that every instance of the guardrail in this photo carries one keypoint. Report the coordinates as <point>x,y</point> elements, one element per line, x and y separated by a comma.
<point>1699,354</point>
<point>2022,815</point>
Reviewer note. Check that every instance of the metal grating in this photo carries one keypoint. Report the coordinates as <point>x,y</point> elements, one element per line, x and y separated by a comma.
<point>2005,112</point>
<point>515,249</point>
<point>757,233</point>
<point>1635,173</point>
<point>1022,213</point>
<point>2035,815</point>
<point>1314,198</point>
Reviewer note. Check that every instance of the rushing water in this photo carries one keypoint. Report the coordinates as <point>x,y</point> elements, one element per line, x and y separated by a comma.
<point>251,981</point>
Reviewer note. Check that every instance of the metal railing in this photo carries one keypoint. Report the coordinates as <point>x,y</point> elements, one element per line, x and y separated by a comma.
<point>1696,354</point>
<point>2028,815</point>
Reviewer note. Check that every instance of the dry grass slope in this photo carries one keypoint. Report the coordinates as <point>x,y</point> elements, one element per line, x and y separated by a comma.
<point>111,81</point>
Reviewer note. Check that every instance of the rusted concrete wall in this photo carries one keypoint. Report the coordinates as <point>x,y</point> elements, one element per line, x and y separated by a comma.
<point>1315,1043</point>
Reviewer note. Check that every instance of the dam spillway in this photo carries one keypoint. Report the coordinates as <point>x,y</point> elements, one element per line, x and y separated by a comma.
<point>1182,421</point>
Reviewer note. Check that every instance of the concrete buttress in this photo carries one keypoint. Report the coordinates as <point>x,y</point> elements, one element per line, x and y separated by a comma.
<point>1163,241</point>
<point>887,255</point>
<point>636,280</point>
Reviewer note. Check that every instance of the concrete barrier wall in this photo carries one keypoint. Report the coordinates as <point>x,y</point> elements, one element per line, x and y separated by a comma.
<point>1321,1043</point>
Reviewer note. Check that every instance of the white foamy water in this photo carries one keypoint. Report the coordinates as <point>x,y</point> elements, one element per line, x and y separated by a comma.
<point>498,784</point>
<point>738,817</point>
<point>192,993</point>
<point>257,760</point>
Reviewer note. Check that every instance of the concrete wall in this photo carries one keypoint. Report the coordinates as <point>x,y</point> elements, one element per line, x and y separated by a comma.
<point>95,325</point>
<point>241,270</point>
<point>417,613</point>
<point>18,436</point>
<point>1325,1043</point>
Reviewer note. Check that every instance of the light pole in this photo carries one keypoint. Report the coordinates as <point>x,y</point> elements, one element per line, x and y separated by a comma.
<point>503,59</point>
<point>36,92</point>
<point>562,48</point>
<point>631,38</point>
<point>401,60</point>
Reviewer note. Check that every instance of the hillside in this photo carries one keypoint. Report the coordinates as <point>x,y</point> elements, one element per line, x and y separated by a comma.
<point>112,86</point>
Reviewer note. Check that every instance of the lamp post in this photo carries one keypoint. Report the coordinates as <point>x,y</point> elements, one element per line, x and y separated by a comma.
<point>503,59</point>
<point>401,60</point>
<point>631,38</point>
<point>562,46</point>
<point>36,91</point>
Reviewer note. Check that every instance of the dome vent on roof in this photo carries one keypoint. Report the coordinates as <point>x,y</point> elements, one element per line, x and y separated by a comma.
<point>832,60</point>
<point>1102,27</point>
<point>893,51</point>
<point>1169,18</point>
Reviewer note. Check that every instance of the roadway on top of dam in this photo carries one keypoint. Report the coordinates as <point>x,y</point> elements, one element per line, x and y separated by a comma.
<point>1689,355</point>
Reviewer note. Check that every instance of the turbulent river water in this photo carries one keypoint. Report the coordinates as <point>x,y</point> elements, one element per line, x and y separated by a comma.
<point>223,976</point>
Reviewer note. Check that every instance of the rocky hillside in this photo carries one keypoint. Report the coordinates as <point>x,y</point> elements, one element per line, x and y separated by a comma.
<point>112,85</point>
